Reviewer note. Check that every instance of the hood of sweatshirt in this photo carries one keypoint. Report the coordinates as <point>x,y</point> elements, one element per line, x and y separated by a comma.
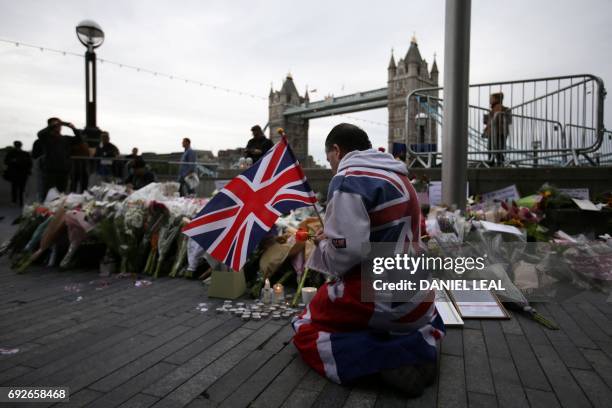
<point>373,159</point>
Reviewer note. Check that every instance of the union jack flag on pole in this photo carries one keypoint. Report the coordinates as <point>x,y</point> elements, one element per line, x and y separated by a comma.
<point>233,222</point>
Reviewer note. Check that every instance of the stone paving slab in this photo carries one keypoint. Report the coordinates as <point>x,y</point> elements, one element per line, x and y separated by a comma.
<point>123,346</point>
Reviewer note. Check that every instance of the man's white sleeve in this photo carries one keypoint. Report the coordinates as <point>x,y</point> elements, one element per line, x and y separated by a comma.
<point>347,227</point>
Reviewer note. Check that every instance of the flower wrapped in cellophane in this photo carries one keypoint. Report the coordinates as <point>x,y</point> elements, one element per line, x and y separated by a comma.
<point>157,215</point>
<point>178,209</point>
<point>129,226</point>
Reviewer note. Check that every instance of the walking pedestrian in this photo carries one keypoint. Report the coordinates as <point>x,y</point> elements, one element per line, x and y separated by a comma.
<point>18,168</point>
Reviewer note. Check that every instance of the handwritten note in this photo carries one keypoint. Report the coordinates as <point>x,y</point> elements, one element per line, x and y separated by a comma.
<point>579,193</point>
<point>492,226</point>
<point>435,192</point>
<point>503,194</point>
<point>586,205</point>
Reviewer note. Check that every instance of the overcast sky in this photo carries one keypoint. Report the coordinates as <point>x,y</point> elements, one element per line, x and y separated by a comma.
<point>334,46</point>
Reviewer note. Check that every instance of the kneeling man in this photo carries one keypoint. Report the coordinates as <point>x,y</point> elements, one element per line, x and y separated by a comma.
<point>370,199</point>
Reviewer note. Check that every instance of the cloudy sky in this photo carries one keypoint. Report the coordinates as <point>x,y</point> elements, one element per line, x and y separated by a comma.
<point>335,47</point>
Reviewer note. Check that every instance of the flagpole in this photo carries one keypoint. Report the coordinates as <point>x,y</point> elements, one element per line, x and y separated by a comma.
<point>282,134</point>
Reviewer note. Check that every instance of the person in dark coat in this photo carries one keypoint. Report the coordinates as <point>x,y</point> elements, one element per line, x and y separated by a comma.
<point>497,128</point>
<point>18,168</point>
<point>140,177</point>
<point>258,145</point>
<point>53,150</point>
<point>107,152</point>
<point>79,179</point>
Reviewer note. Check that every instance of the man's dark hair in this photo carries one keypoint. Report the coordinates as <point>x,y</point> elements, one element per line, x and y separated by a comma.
<point>498,97</point>
<point>187,139</point>
<point>348,137</point>
<point>52,120</point>
<point>257,129</point>
<point>17,144</point>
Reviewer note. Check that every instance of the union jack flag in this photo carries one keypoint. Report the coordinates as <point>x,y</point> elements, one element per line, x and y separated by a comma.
<point>233,222</point>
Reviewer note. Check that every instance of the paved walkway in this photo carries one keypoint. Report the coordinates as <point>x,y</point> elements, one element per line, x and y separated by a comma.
<point>137,347</point>
<point>125,346</point>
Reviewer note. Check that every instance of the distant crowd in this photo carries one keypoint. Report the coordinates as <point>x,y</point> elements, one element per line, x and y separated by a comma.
<point>70,164</point>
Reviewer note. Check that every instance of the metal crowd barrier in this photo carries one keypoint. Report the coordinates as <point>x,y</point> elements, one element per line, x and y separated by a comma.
<point>162,168</point>
<point>555,121</point>
<point>87,171</point>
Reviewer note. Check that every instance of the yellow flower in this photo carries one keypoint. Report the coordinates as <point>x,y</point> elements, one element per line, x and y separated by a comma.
<point>514,221</point>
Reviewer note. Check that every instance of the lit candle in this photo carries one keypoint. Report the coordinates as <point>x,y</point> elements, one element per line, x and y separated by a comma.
<point>307,294</point>
<point>266,293</point>
<point>279,293</point>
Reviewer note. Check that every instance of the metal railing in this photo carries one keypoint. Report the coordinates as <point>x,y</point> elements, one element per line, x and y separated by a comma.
<point>603,155</point>
<point>158,166</point>
<point>554,121</point>
<point>86,171</point>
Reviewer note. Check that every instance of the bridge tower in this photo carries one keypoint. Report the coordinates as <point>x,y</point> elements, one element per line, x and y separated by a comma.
<point>295,127</point>
<point>410,73</point>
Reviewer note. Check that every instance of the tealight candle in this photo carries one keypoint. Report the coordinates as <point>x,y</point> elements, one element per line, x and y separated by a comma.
<point>266,293</point>
<point>307,294</point>
<point>279,293</point>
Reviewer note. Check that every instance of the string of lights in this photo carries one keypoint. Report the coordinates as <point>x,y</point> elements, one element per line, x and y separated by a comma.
<point>163,75</point>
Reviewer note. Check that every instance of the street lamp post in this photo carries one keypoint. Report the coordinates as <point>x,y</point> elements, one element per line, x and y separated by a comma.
<point>456,97</point>
<point>91,36</point>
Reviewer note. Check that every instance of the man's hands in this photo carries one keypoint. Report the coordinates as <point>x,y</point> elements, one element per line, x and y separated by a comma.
<point>319,236</point>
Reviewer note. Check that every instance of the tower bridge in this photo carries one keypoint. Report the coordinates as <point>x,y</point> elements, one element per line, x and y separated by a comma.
<point>554,121</point>
<point>292,111</point>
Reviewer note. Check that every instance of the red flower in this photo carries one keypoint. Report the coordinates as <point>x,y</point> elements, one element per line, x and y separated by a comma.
<point>44,211</point>
<point>302,235</point>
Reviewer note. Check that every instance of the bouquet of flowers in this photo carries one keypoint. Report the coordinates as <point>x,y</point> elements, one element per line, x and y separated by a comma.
<point>155,192</point>
<point>108,192</point>
<point>181,252</point>
<point>29,221</point>
<point>129,229</point>
<point>156,216</point>
<point>552,198</point>
<point>195,258</point>
<point>32,244</point>
<point>523,217</point>
<point>167,235</point>
<point>78,228</point>
<point>51,232</point>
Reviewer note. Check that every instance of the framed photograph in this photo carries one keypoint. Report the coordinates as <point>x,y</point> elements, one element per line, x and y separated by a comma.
<point>478,304</point>
<point>447,310</point>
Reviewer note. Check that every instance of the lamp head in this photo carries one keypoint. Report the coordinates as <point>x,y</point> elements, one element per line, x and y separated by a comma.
<point>90,34</point>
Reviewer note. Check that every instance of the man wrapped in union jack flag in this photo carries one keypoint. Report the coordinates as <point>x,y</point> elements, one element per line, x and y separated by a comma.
<point>370,199</point>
